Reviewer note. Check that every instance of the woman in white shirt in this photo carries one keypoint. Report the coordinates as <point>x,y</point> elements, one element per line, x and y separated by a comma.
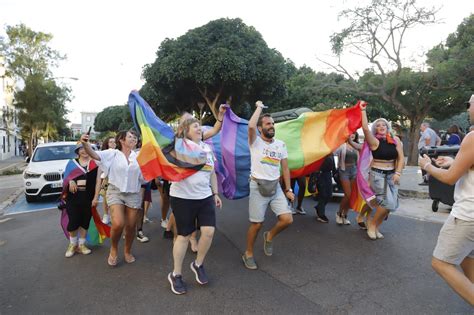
<point>123,192</point>
<point>193,200</point>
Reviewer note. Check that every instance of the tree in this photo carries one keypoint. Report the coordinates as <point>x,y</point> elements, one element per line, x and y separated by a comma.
<point>222,61</point>
<point>28,52</point>
<point>317,90</point>
<point>42,108</point>
<point>113,118</point>
<point>29,58</point>
<point>377,33</point>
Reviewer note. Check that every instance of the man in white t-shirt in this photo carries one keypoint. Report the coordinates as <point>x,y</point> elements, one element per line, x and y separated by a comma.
<point>455,246</point>
<point>267,156</point>
<point>428,137</point>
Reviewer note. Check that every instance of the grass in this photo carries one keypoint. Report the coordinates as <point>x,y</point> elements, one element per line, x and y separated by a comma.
<point>13,171</point>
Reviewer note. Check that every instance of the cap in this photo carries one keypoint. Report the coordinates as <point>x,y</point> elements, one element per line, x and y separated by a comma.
<point>78,146</point>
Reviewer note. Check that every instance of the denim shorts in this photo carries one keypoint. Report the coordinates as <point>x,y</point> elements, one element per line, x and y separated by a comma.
<point>349,173</point>
<point>258,204</point>
<point>386,192</point>
<point>455,241</point>
<point>116,197</point>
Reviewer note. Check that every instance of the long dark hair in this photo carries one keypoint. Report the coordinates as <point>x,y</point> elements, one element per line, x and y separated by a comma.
<point>105,144</point>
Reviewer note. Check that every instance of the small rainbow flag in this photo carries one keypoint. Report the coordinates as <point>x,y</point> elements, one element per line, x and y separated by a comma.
<point>161,154</point>
<point>98,231</point>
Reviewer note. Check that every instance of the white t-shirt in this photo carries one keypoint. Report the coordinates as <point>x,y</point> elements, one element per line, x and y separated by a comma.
<point>266,157</point>
<point>428,133</point>
<point>463,207</point>
<point>126,176</point>
<point>198,185</point>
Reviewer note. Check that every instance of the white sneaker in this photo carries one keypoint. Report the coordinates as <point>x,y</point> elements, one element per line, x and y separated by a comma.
<point>346,221</point>
<point>379,235</point>
<point>339,219</point>
<point>146,220</point>
<point>293,210</point>
<point>141,237</point>
<point>164,223</point>
<point>71,249</point>
<point>106,219</point>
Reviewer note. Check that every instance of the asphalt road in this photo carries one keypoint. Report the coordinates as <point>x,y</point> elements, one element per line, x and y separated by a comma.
<point>316,268</point>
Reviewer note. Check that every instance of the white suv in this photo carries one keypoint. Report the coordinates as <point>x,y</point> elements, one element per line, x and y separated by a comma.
<point>44,174</point>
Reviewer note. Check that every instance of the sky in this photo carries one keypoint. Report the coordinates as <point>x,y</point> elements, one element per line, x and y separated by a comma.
<point>107,43</point>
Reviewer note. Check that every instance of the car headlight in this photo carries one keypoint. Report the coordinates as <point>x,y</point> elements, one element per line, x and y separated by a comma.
<point>28,175</point>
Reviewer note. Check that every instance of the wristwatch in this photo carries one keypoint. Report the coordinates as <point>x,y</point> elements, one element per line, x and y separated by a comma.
<point>288,190</point>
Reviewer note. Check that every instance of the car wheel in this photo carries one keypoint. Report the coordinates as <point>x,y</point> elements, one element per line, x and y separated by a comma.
<point>30,198</point>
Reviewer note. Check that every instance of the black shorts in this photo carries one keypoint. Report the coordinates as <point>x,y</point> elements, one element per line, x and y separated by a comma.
<point>79,213</point>
<point>190,213</point>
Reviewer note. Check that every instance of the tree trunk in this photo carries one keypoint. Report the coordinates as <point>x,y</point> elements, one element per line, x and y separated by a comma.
<point>30,143</point>
<point>414,136</point>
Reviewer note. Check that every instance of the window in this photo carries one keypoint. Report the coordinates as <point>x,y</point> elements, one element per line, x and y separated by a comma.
<point>88,118</point>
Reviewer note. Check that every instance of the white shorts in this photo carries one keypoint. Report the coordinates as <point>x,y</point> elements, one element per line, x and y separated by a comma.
<point>258,204</point>
<point>455,241</point>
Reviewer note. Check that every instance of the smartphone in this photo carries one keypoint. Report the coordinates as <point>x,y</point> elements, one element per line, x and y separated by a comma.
<point>89,130</point>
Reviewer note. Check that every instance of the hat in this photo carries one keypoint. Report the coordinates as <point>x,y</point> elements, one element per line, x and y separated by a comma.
<point>78,146</point>
<point>471,100</point>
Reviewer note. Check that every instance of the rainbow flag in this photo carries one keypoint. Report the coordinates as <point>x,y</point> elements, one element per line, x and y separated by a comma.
<point>160,154</point>
<point>309,139</point>
<point>232,153</point>
<point>98,231</point>
<point>313,135</point>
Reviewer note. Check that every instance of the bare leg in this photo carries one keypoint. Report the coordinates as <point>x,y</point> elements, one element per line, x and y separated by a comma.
<point>455,278</point>
<point>344,206</point>
<point>283,222</point>
<point>252,233</point>
<point>205,241</point>
<point>130,224</point>
<point>118,222</point>
<point>82,233</point>
<point>179,251</point>
<point>467,266</point>
<point>194,242</point>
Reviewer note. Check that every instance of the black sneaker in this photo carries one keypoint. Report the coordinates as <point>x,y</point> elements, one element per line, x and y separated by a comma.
<point>200,273</point>
<point>178,286</point>
<point>168,235</point>
<point>322,218</point>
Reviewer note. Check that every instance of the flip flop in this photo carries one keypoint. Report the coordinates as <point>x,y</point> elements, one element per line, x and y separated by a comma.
<point>112,261</point>
<point>129,259</point>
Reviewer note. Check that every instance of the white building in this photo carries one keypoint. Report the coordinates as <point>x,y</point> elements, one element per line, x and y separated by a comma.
<point>10,138</point>
<point>76,130</point>
<point>87,120</point>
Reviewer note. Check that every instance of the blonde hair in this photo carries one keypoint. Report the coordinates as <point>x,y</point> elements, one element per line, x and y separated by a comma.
<point>373,128</point>
<point>184,127</point>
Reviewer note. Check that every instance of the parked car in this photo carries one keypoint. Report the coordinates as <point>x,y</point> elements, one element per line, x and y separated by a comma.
<point>44,174</point>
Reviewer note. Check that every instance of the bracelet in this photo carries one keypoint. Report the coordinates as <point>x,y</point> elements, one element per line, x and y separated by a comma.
<point>398,173</point>
<point>218,120</point>
<point>214,193</point>
<point>426,166</point>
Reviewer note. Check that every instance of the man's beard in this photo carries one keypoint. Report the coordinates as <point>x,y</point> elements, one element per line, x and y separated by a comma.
<point>267,134</point>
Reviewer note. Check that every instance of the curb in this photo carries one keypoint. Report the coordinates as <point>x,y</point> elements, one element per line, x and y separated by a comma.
<point>13,197</point>
<point>12,166</point>
<point>413,194</point>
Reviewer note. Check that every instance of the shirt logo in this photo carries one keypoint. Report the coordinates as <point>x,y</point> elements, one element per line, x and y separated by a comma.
<point>270,161</point>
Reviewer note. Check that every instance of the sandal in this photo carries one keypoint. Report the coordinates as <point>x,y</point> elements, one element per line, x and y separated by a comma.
<point>129,259</point>
<point>112,261</point>
<point>361,223</point>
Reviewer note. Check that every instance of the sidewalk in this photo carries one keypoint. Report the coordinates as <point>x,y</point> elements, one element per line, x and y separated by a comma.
<point>409,181</point>
<point>16,161</point>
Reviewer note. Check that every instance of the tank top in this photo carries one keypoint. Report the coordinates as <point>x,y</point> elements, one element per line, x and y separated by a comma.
<point>385,151</point>
<point>463,207</point>
<point>351,157</point>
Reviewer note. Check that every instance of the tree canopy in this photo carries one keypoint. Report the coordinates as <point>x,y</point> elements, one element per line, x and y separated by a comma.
<point>113,118</point>
<point>222,61</point>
